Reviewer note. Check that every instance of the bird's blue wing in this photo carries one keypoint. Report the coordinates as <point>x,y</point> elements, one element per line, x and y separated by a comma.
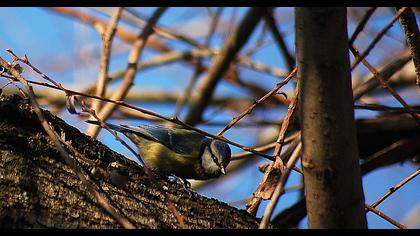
<point>179,140</point>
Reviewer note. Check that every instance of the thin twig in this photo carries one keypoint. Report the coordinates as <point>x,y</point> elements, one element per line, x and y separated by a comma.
<point>377,107</point>
<point>161,60</point>
<point>378,37</point>
<point>261,100</point>
<point>385,217</point>
<point>259,43</point>
<point>133,58</point>
<point>271,22</point>
<point>221,63</point>
<point>395,188</point>
<point>362,24</point>
<point>385,84</point>
<point>275,169</point>
<point>104,59</point>
<point>122,33</point>
<point>279,190</point>
<point>285,124</point>
<point>260,67</point>
<point>199,67</point>
<point>386,72</point>
<point>243,155</point>
<point>130,37</point>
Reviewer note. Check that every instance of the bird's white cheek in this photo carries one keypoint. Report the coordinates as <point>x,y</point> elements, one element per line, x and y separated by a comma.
<point>208,164</point>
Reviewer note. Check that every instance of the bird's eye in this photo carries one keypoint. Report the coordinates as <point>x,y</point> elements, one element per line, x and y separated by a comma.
<point>3,70</point>
<point>214,158</point>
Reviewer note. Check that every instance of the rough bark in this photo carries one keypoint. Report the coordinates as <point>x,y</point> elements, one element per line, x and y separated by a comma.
<point>333,185</point>
<point>38,190</point>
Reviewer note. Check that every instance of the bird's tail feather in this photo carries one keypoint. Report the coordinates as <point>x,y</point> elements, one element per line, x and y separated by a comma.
<point>111,126</point>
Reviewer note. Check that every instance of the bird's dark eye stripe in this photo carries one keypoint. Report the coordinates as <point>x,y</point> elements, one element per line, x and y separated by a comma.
<point>2,70</point>
<point>212,155</point>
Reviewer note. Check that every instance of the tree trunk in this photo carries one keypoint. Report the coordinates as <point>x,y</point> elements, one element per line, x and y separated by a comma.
<point>38,189</point>
<point>333,185</point>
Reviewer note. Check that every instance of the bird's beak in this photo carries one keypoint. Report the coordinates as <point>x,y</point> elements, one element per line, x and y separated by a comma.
<point>223,170</point>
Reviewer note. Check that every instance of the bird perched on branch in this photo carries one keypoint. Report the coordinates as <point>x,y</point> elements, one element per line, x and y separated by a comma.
<point>182,152</point>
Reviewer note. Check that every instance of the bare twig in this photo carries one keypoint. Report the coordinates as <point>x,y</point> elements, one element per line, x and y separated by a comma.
<point>221,63</point>
<point>260,67</point>
<point>122,33</point>
<point>127,83</point>
<point>104,59</point>
<point>385,217</point>
<point>261,100</point>
<point>259,42</point>
<point>199,67</point>
<point>130,37</point>
<point>114,133</point>
<point>161,60</point>
<point>377,107</point>
<point>362,24</point>
<point>280,187</point>
<point>378,37</point>
<point>242,155</point>
<point>275,170</point>
<point>395,188</point>
<point>285,124</point>
<point>396,152</point>
<point>140,21</point>
<point>386,73</point>
<point>271,22</point>
<point>385,84</point>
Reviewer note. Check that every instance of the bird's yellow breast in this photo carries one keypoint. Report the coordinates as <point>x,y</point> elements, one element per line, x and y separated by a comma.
<point>166,161</point>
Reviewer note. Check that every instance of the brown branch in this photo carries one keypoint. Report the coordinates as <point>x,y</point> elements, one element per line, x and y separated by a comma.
<point>275,170</point>
<point>243,155</point>
<point>377,107</point>
<point>411,29</point>
<point>167,33</point>
<point>385,84</point>
<point>104,59</point>
<point>271,22</point>
<point>161,31</point>
<point>285,170</point>
<point>259,101</point>
<point>395,188</point>
<point>378,37</point>
<point>362,24</point>
<point>199,66</point>
<point>152,43</point>
<point>285,124</point>
<point>280,187</point>
<point>386,73</point>
<point>161,60</point>
<point>385,217</point>
<point>127,83</point>
<point>221,63</point>
<point>398,151</point>
<point>122,33</point>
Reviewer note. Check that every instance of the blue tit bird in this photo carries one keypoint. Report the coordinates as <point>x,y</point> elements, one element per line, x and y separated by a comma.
<point>182,152</point>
